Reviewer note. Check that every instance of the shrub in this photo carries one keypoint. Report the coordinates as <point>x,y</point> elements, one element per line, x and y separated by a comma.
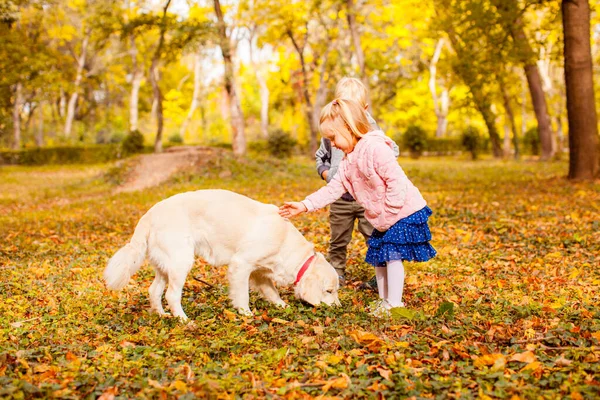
<point>471,141</point>
<point>133,143</point>
<point>116,137</point>
<point>62,155</point>
<point>531,139</point>
<point>176,138</point>
<point>415,140</point>
<point>280,144</point>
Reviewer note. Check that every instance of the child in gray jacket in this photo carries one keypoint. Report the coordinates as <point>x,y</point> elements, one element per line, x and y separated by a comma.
<point>344,211</point>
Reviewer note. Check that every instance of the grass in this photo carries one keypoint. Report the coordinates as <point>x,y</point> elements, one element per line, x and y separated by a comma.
<point>508,308</point>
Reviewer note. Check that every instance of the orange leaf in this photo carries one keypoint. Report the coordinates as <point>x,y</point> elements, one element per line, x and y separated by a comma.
<point>385,373</point>
<point>109,394</point>
<point>526,357</point>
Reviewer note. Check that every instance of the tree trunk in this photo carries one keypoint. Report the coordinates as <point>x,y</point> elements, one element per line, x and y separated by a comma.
<point>538,98</point>
<point>195,94</point>
<point>16,117</point>
<point>584,156</point>
<point>136,82</point>
<point>237,117</point>
<point>312,123</point>
<point>485,109</point>
<point>482,100</point>
<point>536,91</point>
<point>510,116</point>
<point>358,51</point>
<point>514,24</point>
<point>154,76</point>
<point>39,136</point>
<point>78,78</point>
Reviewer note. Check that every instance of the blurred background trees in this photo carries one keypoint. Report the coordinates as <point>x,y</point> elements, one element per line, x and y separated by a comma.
<point>228,72</point>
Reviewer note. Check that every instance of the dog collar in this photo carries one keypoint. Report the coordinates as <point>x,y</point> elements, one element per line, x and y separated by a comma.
<point>304,268</point>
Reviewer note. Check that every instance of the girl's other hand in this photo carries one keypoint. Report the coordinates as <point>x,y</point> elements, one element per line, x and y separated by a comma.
<point>291,209</point>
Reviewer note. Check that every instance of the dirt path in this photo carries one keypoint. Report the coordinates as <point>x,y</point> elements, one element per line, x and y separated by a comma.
<point>154,169</point>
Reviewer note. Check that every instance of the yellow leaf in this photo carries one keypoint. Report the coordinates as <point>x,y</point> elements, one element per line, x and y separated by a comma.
<point>526,357</point>
<point>574,274</point>
<point>334,360</point>
<point>280,321</point>
<point>489,359</point>
<point>596,335</point>
<point>533,366</point>
<point>179,385</point>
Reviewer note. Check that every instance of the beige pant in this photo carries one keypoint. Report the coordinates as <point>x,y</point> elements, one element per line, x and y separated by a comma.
<point>342,215</point>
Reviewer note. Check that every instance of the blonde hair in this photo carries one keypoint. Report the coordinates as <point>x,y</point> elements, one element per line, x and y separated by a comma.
<point>353,89</point>
<point>348,114</point>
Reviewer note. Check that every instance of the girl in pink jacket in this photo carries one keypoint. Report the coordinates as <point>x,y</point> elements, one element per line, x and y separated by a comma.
<point>371,174</point>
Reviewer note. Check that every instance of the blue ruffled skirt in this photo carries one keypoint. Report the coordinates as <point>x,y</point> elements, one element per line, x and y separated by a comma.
<point>406,240</point>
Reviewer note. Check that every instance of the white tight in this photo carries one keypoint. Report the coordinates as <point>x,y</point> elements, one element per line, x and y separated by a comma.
<point>390,282</point>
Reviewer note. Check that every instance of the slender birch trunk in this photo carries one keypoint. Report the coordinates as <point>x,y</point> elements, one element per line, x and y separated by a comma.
<point>195,94</point>
<point>358,51</point>
<point>136,81</point>
<point>263,90</point>
<point>440,105</point>
<point>71,106</point>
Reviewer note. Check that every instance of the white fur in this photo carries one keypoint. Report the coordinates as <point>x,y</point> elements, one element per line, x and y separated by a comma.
<point>223,227</point>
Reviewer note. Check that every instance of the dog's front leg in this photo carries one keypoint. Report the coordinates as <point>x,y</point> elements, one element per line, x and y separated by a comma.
<point>264,285</point>
<point>239,288</point>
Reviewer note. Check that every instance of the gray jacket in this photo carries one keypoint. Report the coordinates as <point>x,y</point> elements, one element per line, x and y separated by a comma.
<point>328,157</point>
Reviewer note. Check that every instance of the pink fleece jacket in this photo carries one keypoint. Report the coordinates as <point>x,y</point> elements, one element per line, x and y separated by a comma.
<point>371,174</point>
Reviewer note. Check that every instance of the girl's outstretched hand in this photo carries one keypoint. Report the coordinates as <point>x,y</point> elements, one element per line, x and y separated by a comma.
<point>291,209</point>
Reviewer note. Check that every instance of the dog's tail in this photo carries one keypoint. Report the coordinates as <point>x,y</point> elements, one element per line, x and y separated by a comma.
<point>126,262</point>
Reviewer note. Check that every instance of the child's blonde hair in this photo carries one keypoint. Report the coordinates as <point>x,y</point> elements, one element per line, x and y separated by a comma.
<point>348,114</point>
<point>353,89</point>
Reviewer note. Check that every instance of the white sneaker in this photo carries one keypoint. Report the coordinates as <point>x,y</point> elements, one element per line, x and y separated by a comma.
<point>381,309</point>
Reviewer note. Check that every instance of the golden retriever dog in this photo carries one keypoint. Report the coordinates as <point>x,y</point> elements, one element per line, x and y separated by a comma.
<point>224,228</point>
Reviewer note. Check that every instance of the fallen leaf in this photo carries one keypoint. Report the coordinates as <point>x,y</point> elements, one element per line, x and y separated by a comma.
<point>526,357</point>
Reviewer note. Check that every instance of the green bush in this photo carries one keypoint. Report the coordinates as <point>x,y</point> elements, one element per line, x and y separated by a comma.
<point>443,146</point>
<point>133,143</point>
<point>92,154</point>
<point>280,144</point>
<point>471,141</point>
<point>531,140</point>
<point>176,138</point>
<point>117,137</point>
<point>415,140</point>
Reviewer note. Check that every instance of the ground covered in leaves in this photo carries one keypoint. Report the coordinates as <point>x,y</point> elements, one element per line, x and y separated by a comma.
<point>508,309</point>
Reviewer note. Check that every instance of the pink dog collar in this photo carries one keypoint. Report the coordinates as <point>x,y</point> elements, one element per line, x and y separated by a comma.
<point>304,268</point>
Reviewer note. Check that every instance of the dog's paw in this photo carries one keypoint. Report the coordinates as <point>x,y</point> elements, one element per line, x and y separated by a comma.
<point>281,304</point>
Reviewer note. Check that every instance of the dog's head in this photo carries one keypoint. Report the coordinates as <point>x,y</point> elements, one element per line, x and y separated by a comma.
<point>319,284</point>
